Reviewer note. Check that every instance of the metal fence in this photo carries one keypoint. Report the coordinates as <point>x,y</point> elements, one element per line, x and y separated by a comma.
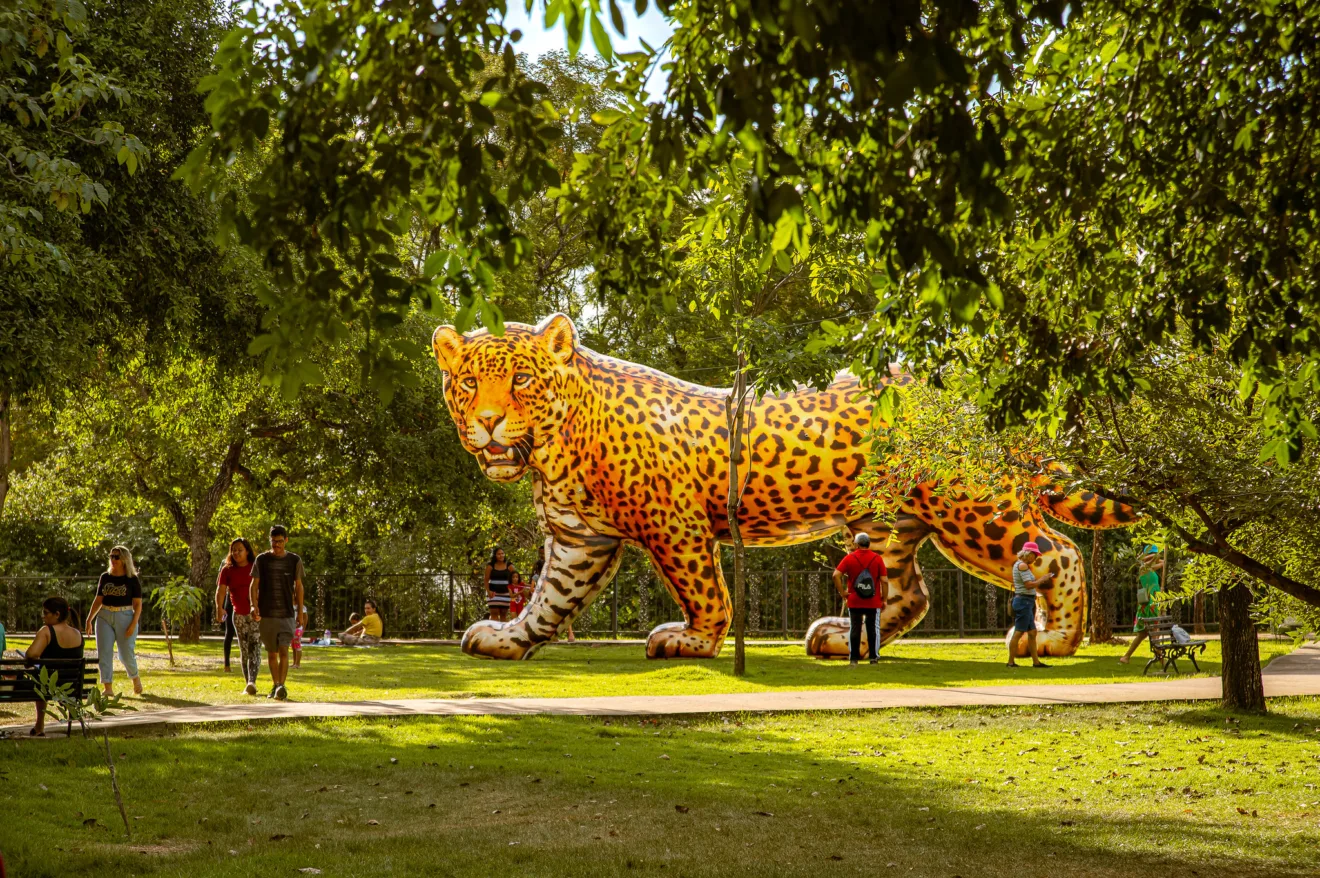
<point>781,603</point>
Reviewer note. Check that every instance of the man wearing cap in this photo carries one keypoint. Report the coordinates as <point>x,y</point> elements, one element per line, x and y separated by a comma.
<point>1025,584</point>
<point>861,580</point>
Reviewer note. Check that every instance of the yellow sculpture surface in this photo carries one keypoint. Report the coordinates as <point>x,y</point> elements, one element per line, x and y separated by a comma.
<point>620,453</point>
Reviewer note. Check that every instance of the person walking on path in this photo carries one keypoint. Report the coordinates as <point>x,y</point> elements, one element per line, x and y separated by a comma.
<point>499,576</point>
<point>1025,584</point>
<point>115,613</point>
<point>276,594</point>
<point>58,640</point>
<point>233,596</point>
<point>861,579</point>
<point>1148,585</point>
<point>368,630</point>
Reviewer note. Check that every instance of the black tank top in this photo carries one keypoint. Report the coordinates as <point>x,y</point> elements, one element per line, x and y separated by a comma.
<point>500,579</point>
<point>54,651</point>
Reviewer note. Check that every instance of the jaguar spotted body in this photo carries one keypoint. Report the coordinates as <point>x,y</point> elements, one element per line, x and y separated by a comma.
<point>620,453</point>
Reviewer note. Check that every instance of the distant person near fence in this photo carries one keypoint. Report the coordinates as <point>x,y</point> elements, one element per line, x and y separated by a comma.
<point>367,630</point>
<point>499,576</point>
<point>233,596</point>
<point>116,613</point>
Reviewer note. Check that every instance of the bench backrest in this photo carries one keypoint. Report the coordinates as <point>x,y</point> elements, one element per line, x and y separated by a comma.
<point>1160,629</point>
<point>17,677</point>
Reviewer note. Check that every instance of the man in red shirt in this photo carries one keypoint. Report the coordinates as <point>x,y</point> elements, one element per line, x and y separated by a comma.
<point>861,579</point>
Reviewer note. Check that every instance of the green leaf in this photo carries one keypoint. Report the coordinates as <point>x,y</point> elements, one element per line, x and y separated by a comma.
<point>601,39</point>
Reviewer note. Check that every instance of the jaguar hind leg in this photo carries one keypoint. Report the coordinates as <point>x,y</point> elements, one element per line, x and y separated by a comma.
<point>906,600</point>
<point>988,548</point>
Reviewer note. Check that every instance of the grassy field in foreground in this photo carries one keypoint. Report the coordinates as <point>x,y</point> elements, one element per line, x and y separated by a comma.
<point>1078,791</point>
<point>342,674</point>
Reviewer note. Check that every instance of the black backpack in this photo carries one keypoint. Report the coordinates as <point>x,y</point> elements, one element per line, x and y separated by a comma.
<point>864,584</point>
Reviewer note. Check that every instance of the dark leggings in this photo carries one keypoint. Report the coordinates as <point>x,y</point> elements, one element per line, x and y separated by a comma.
<point>230,631</point>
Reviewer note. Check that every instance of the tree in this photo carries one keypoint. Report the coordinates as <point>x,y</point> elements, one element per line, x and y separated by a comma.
<point>53,94</point>
<point>97,241</point>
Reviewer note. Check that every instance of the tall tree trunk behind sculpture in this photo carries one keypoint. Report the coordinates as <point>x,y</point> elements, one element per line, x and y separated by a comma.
<point>1100,629</point>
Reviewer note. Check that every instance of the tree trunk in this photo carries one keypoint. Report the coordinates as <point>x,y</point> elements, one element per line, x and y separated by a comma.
<point>6,448</point>
<point>199,576</point>
<point>734,407</point>
<point>1198,613</point>
<point>1101,630</point>
<point>1243,688</point>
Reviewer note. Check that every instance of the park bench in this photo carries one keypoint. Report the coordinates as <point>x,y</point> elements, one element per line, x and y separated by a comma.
<point>18,679</point>
<point>1165,649</point>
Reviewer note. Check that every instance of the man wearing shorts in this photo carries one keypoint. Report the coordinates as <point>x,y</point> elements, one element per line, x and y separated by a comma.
<point>277,600</point>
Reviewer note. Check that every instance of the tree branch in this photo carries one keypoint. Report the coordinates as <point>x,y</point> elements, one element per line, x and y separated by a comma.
<point>1222,549</point>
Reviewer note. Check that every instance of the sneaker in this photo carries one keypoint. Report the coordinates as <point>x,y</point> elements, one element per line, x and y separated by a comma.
<point>281,694</point>
<point>273,690</point>
<point>251,689</point>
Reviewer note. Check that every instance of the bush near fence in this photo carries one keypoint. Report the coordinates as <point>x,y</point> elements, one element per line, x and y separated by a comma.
<point>781,603</point>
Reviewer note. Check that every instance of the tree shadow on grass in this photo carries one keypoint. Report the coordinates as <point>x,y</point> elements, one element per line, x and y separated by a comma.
<point>589,796</point>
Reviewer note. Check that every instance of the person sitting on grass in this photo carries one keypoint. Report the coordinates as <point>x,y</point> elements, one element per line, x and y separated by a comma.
<point>367,631</point>
<point>1025,584</point>
<point>59,640</point>
<point>1148,585</point>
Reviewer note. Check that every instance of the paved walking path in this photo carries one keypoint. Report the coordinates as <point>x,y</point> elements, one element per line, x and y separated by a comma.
<point>1295,674</point>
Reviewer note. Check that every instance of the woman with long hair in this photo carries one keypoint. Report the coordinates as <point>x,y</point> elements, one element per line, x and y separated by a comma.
<point>58,641</point>
<point>233,597</point>
<point>116,612</point>
<point>499,576</point>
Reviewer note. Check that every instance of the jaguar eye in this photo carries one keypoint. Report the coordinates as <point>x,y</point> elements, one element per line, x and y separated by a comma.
<point>521,379</point>
<point>469,383</point>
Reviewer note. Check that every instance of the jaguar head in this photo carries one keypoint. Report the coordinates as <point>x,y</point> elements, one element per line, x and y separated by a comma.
<point>508,393</point>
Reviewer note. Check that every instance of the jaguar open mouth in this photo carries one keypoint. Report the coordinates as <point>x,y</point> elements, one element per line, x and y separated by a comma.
<point>504,460</point>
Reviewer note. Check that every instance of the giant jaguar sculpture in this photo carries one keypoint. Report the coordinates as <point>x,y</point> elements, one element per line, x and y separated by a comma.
<point>620,453</point>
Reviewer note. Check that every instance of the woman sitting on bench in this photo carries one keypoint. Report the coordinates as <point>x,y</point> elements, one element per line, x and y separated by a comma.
<point>58,640</point>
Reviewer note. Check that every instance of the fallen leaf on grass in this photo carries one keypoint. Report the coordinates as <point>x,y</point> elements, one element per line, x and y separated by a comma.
<point>394,761</point>
<point>682,809</point>
<point>1066,823</point>
<point>89,822</point>
<point>663,756</point>
<point>373,823</point>
<point>835,857</point>
<point>279,836</point>
<point>310,870</point>
<point>763,814</point>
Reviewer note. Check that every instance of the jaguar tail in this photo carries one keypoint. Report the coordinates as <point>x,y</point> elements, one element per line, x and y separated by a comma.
<point>1086,509</point>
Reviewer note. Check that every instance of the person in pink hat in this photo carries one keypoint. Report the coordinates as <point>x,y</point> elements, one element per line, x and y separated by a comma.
<point>1025,584</point>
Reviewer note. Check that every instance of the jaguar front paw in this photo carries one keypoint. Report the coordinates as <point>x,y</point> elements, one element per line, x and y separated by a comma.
<point>498,640</point>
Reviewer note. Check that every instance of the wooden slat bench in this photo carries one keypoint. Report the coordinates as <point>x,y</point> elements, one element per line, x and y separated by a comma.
<point>1165,649</point>
<point>18,679</point>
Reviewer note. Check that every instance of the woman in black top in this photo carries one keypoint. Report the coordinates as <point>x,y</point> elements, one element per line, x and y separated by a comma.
<point>59,638</point>
<point>116,612</point>
<point>499,574</point>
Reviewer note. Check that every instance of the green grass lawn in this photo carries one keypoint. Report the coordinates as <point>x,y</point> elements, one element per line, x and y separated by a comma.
<point>342,674</point>
<point>1152,789</point>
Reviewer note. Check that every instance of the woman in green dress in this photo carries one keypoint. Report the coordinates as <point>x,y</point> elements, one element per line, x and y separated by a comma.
<point>1152,565</point>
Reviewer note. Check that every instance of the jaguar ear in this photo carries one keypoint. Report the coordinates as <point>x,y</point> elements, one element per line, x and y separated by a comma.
<point>445,343</point>
<point>559,336</point>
